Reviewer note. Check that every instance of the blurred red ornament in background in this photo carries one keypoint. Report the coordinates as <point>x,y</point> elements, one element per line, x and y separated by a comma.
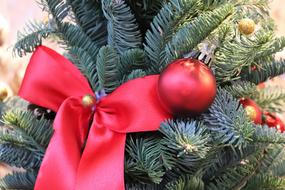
<point>272,120</point>
<point>252,110</point>
<point>261,86</point>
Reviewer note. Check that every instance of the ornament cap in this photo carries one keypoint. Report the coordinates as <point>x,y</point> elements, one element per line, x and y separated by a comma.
<point>203,57</point>
<point>88,100</point>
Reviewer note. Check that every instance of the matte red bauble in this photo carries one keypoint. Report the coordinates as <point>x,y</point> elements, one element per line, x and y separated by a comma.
<point>187,86</point>
<point>272,120</point>
<point>252,109</point>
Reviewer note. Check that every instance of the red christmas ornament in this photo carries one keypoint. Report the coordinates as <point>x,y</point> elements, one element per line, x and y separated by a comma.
<point>261,86</point>
<point>187,86</point>
<point>272,120</point>
<point>253,68</point>
<point>252,109</point>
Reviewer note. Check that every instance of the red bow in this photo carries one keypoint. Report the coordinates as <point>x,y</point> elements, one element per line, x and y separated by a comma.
<point>53,82</point>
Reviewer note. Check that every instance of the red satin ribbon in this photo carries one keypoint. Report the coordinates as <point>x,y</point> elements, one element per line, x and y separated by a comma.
<point>53,82</point>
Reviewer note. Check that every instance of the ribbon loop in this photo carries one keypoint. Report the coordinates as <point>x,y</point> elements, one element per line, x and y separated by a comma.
<point>50,79</point>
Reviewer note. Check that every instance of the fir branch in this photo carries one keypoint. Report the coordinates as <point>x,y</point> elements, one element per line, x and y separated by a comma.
<point>244,53</point>
<point>143,164</point>
<point>242,89</point>
<point>266,71</point>
<point>135,74</point>
<point>253,4</point>
<point>228,121</point>
<point>197,30</point>
<point>145,11</point>
<point>123,32</point>
<point>40,130</point>
<point>212,4</point>
<point>164,25</point>
<point>18,181</point>
<point>184,145</point>
<point>235,178</point>
<point>143,187</point>
<point>276,166</point>
<point>31,37</point>
<point>264,134</point>
<point>107,68</point>
<point>225,32</point>
<point>20,139</point>
<point>73,36</point>
<point>57,8</point>
<point>265,181</point>
<point>271,99</point>
<point>19,157</point>
<point>273,157</point>
<point>131,60</point>
<point>90,18</point>
<point>228,157</point>
<point>186,182</point>
<point>86,65</point>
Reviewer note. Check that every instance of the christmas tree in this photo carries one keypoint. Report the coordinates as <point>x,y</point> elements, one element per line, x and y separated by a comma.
<point>229,136</point>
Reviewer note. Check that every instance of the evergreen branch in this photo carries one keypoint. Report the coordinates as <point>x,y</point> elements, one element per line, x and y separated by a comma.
<point>135,74</point>
<point>86,65</point>
<point>143,164</point>
<point>242,89</point>
<point>145,11</point>
<point>123,32</point>
<point>264,182</point>
<point>271,99</point>
<point>228,121</point>
<point>107,68</point>
<point>212,4</point>
<point>228,157</point>
<point>267,71</point>
<point>73,36</point>
<point>277,162</point>
<point>19,157</point>
<point>18,181</point>
<point>142,187</point>
<point>131,60</point>
<point>20,139</point>
<point>164,25</point>
<point>184,145</point>
<point>273,157</point>
<point>57,8</point>
<point>186,182</point>
<point>257,5</point>
<point>244,53</point>
<point>264,134</point>
<point>31,37</point>
<point>235,178</point>
<point>274,46</point>
<point>197,30</point>
<point>90,18</point>
<point>26,123</point>
<point>224,33</point>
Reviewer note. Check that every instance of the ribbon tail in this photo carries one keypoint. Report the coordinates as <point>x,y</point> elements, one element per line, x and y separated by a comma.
<point>60,163</point>
<point>102,163</point>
